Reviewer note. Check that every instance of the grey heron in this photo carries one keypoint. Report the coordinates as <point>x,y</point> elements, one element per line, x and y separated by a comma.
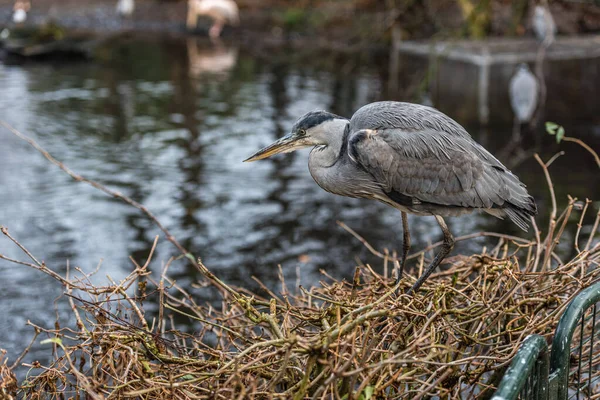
<point>221,12</point>
<point>411,157</point>
<point>524,92</point>
<point>543,24</point>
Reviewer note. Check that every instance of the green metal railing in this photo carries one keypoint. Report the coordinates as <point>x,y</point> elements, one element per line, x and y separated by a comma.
<point>573,371</point>
<point>576,331</point>
<point>527,376</point>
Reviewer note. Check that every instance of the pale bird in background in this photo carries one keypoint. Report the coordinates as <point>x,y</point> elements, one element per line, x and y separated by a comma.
<point>125,8</point>
<point>411,157</point>
<point>524,93</point>
<point>20,10</point>
<point>220,11</point>
<point>543,24</point>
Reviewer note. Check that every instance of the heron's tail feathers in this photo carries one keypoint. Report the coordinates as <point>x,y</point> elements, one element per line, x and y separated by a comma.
<point>520,214</point>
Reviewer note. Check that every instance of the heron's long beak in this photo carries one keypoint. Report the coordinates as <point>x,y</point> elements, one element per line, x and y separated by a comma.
<point>286,144</point>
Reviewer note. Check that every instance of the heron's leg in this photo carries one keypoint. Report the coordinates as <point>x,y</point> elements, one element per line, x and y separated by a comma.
<point>447,247</point>
<point>405,246</point>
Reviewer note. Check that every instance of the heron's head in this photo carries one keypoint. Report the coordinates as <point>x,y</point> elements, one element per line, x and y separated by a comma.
<point>313,129</point>
<point>539,11</point>
<point>523,67</point>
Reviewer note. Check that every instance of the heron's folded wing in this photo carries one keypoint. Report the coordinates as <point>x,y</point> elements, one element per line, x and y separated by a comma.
<point>430,166</point>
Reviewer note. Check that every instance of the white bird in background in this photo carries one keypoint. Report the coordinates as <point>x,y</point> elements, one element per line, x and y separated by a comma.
<point>543,24</point>
<point>221,12</point>
<point>524,92</point>
<point>125,8</point>
<point>20,10</point>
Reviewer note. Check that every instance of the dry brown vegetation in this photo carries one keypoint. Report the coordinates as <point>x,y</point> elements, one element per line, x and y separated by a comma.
<point>354,339</point>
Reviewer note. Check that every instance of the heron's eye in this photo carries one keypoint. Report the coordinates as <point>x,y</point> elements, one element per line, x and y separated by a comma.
<point>302,132</point>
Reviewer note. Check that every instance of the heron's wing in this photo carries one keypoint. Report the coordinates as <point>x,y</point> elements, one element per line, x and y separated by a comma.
<point>437,168</point>
<point>407,117</point>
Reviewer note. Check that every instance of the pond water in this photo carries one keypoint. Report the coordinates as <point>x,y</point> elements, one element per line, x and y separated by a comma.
<point>168,123</point>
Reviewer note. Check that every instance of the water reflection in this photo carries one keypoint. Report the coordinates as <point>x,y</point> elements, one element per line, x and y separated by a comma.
<point>168,123</point>
<point>217,60</point>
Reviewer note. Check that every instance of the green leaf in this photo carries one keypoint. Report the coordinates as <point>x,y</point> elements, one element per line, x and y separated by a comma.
<point>554,129</point>
<point>560,134</point>
<point>369,392</point>
<point>190,256</point>
<point>52,340</point>
<point>551,127</point>
<point>188,377</point>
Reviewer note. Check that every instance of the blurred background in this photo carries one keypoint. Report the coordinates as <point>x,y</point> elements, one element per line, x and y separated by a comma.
<point>162,100</point>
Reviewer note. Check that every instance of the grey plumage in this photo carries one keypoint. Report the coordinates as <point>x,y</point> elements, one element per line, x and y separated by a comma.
<point>543,24</point>
<point>426,156</point>
<point>523,93</point>
<point>411,157</point>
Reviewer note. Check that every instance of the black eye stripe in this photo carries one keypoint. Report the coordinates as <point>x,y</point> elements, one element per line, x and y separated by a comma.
<point>312,119</point>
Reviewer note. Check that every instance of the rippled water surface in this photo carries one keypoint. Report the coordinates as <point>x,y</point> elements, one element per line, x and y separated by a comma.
<point>168,123</point>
